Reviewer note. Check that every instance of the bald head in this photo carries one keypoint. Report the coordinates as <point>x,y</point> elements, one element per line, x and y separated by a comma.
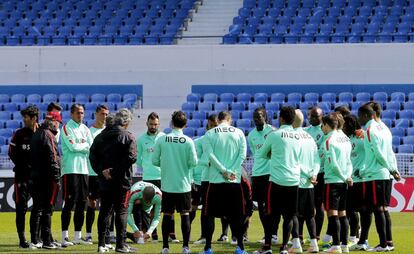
<point>315,116</point>
<point>298,121</point>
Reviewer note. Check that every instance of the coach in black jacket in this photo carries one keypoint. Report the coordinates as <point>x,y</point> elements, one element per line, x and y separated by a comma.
<point>112,155</point>
<point>45,174</point>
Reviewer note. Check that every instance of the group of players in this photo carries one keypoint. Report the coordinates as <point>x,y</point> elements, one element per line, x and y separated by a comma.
<point>340,164</point>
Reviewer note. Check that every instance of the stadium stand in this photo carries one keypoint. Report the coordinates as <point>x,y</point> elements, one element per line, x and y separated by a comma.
<point>322,21</point>
<point>85,22</point>
<point>398,119</point>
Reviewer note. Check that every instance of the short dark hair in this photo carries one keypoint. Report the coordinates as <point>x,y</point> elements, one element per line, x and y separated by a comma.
<point>153,116</point>
<point>101,107</point>
<point>54,105</point>
<point>376,107</point>
<point>75,106</point>
<point>224,115</point>
<point>179,119</point>
<point>288,114</point>
<point>366,110</point>
<point>263,110</point>
<point>351,124</point>
<point>31,111</point>
<point>331,120</point>
<point>212,117</point>
<point>344,110</point>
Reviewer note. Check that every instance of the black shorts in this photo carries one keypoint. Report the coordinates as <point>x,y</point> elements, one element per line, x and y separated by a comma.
<point>196,195</point>
<point>375,193</point>
<point>225,200</point>
<point>335,196</point>
<point>319,189</point>
<point>93,187</point>
<point>259,188</point>
<point>306,203</point>
<point>75,187</point>
<point>180,202</point>
<point>388,189</point>
<point>281,200</point>
<point>154,182</point>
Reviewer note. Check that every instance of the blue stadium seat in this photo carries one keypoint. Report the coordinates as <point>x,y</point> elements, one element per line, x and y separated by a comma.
<point>396,141</point>
<point>205,106</point>
<point>410,131</point>
<point>221,106</point>
<point>248,114</point>
<point>399,132</point>
<point>201,131</point>
<point>50,97</point>
<point>253,105</point>
<point>210,97</point>
<point>345,97</point>
<point>275,123</point>
<point>398,96</point>
<point>194,123</point>
<point>272,106</point>
<point>394,105</point>
<point>243,123</point>
<point>6,132</point>
<point>239,106</point>
<point>405,149</point>
<point>409,105</point>
<point>5,115</point>
<point>167,130</point>
<point>235,114</point>
<point>10,107</point>
<point>66,116</point>
<point>410,97</point>
<point>363,97</point>
<point>3,141</point>
<point>4,149</point>
<point>325,106</point>
<point>278,97</point>
<point>294,97</point>
<point>227,97</point>
<point>409,140</point>
<point>390,114</point>
<point>198,115</point>
<point>260,97</point>
<point>406,114</point>
<point>98,98</point>
<point>131,97</point>
<point>311,97</point>
<point>356,105</point>
<point>66,98</point>
<point>244,97</point>
<point>387,122</point>
<point>306,105</point>
<point>4,98</point>
<point>34,98</point>
<point>402,123</point>
<point>91,106</point>
<point>82,98</point>
<point>188,106</point>
<point>193,97</point>
<point>18,98</point>
<point>329,97</point>
<point>114,98</point>
<point>380,97</point>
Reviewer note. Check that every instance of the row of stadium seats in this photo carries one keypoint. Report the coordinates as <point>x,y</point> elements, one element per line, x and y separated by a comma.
<point>323,21</point>
<point>67,98</point>
<point>299,97</point>
<point>120,22</point>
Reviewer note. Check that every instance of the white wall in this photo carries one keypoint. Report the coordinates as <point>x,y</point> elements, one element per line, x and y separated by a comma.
<point>167,72</point>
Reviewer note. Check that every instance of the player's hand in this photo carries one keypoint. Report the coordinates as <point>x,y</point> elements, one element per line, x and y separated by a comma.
<point>146,236</point>
<point>313,180</point>
<point>106,173</point>
<point>232,176</point>
<point>349,181</point>
<point>396,176</point>
<point>138,234</point>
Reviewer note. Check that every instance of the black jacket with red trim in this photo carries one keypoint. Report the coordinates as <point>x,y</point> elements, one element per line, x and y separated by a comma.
<point>19,153</point>
<point>44,154</point>
<point>115,149</point>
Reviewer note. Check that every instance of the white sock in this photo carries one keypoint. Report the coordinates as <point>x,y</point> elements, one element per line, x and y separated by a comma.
<point>78,235</point>
<point>352,238</point>
<point>112,234</point>
<point>295,243</point>
<point>327,238</point>
<point>65,234</point>
<point>88,234</point>
<point>314,242</point>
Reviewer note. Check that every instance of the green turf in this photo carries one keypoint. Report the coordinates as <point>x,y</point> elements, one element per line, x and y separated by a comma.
<point>403,231</point>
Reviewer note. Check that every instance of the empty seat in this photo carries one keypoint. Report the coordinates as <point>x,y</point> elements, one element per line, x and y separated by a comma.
<point>130,97</point>
<point>311,97</point>
<point>82,98</point>
<point>227,97</point>
<point>294,97</point>
<point>380,97</point>
<point>239,106</point>
<point>325,106</point>
<point>5,115</point>
<point>329,97</point>
<point>409,105</point>
<point>272,106</point>
<point>98,98</point>
<point>390,114</point>
<point>345,97</point>
<point>66,98</point>
<point>210,97</point>
<point>201,131</point>
<point>167,130</point>
<point>253,105</point>
<point>410,131</point>
<point>247,114</point>
<point>200,115</point>
<point>235,114</point>
<point>409,140</point>
<point>398,96</point>
<point>205,106</point>
<point>387,122</point>
<point>396,140</point>
<point>402,123</point>
<point>406,114</point>
<point>50,97</point>
<point>194,123</point>
<point>394,105</point>
<point>221,106</point>
<point>10,107</point>
<point>4,98</point>
<point>260,97</point>
<point>397,131</point>
<point>193,97</point>
<point>4,149</point>
<point>405,149</point>
<point>91,106</point>
<point>34,98</point>
<point>6,132</point>
<point>278,97</point>
<point>243,123</point>
<point>114,97</point>
<point>244,97</point>
<point>188,106</point>
<point>363,97</point>
<point>18,98</point>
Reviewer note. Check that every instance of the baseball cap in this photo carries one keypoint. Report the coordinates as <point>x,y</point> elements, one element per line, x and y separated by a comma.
<point>54,116</point>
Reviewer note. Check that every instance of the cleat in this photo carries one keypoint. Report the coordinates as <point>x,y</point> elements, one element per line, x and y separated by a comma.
<point>233,241</point>
<point>209,251</point>
<point>295,250</point>
<point>66,243</point>
<point>124,249</point>
<point>109,246</point>
<point>35,246</point>
<point>262,251</point>
<point>24,244</point>
<point>283,250</point>
<point>165,251</point>
<point>81,242</point>
<point>49,246</point>
<point>345,248</point>
<point>378,248</point>
<point>313,249</point>
<point>173,239</point>
<point>391,246</point>
<point>102,249</point>
<point>223,238</point>
<point>357,246</point>
<point>186,250</point>
<point>334,249</point>
<point>200,241</point>
<point>240,251</point>
<point>89,239</point>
